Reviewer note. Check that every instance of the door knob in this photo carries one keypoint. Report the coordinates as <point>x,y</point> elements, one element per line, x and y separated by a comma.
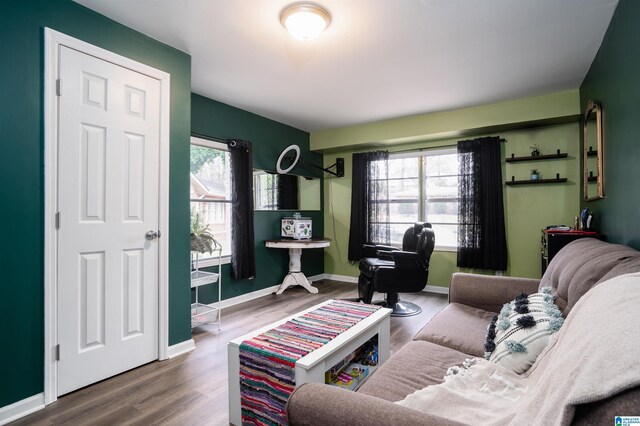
<point>152,235</point>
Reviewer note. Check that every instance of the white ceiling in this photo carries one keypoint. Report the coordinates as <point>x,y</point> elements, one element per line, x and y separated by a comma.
<point>379,58</point>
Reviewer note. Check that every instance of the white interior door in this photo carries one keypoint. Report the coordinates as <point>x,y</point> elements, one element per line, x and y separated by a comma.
<point>108,188</point>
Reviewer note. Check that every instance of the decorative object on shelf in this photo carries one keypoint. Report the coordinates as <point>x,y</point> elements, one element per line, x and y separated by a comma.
<point>592,127</point>
<point>296,227</point>
<point>535,174</point>
<point>586,220</point>
<point>535,150</point>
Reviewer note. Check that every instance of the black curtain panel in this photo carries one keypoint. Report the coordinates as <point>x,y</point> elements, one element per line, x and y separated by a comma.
<point>287,192</point>
<point>243,256</point>
<point>482,242</point>
<point>369,202</point>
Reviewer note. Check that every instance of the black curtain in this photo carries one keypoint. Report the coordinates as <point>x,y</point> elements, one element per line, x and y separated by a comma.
<point>287,192</point>
<point>482,242</point>
<point>369,202</point>
<point>243,256</point>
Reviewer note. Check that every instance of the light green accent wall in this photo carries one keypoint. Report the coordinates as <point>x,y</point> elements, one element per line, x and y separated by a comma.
<point>447,124</point>
<point>309,194</point>
<point>528,208</point>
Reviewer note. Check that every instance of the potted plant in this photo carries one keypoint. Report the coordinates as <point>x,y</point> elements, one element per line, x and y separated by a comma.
<point>202,241</point>
<point>535,150</point>
<point>535,174</point>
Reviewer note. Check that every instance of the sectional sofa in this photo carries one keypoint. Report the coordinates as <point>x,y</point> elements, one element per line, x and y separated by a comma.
<point>589,352</point>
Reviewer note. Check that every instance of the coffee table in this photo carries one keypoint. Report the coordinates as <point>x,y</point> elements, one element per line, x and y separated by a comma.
<point>311,368</point>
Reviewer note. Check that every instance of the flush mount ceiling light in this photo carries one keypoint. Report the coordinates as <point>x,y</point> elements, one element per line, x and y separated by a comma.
<point>305,21</point>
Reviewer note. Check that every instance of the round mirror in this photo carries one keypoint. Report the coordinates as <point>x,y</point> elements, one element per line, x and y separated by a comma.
<point>287,162</point>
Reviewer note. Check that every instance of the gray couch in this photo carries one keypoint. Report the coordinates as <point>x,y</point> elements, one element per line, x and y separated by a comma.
<point>458,332</point>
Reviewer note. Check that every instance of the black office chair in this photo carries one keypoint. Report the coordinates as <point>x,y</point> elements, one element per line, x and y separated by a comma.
<point>396,271</point>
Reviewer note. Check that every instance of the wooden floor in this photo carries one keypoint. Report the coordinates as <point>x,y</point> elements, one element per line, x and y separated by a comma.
<point>192,389</point>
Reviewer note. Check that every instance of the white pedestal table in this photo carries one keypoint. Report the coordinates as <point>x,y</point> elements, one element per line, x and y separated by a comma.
<point>295,275</point>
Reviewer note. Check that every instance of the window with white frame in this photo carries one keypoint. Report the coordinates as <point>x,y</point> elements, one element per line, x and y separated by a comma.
<point>210,189</point>
<point>423,187</point>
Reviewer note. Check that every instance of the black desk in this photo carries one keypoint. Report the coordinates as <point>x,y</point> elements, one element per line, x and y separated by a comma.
<point>552,242</point>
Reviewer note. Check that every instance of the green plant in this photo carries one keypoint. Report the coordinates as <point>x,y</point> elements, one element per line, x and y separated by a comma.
<point>535,150</point>
<point>535,172</point>
<point>202,240</point>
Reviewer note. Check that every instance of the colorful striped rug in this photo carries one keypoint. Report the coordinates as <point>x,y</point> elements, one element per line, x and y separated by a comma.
<point>267,361</point>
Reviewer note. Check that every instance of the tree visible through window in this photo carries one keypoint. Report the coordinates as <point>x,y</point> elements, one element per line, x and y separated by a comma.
<point>210,189</point>
<point>424,187</point>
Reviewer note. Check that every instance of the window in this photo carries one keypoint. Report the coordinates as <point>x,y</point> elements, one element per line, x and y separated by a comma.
<point>424,187</point>
<point>265,190</point>
<point>210,189</point>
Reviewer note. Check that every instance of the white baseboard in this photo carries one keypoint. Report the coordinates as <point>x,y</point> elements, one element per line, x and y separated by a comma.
<point>436,289</point>
<point>180,348</point>
<point>227,303</point>
<point>344,278</point>
<point>21,408</point>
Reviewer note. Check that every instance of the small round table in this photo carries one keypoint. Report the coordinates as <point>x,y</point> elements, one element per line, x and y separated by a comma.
<point>295,275</point>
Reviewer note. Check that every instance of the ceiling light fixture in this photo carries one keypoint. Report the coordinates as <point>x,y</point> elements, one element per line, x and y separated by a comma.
<point>305,21</point>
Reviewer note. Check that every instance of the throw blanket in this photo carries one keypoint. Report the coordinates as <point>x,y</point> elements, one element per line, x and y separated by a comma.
<point>267,362</point>
<point>592,357</point>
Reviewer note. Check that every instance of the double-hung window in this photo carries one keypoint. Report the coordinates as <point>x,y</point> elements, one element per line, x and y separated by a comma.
<point>423,187</point>
<point>210,190</point>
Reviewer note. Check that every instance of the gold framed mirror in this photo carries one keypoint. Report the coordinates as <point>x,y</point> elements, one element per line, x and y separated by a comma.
<point>593,153</point>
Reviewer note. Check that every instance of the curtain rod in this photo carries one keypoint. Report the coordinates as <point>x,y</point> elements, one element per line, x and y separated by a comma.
<point>210,138</point>
<point>431,147</point>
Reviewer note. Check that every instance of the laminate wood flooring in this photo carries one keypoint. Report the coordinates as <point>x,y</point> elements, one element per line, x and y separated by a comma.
<point>192,389</point>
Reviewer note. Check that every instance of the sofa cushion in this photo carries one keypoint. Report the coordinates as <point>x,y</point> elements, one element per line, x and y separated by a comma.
<point>415,366</point>
<point>458,327</point>
<point>522,331</point>
<point>582,264</point>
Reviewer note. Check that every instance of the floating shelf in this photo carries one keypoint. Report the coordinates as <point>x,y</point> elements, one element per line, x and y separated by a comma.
<point>592,179</point>
<point>537,157</point>
<point>592,153</point>
<point>535,182</point>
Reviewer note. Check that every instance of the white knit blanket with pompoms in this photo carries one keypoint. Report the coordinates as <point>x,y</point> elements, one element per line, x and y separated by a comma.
<point>582,363</point>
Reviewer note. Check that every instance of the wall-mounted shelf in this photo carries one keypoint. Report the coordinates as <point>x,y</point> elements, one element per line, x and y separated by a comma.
<point>558,154</point>
<point>592,153</point>
<point>592,179</point>
<point>535,182</point>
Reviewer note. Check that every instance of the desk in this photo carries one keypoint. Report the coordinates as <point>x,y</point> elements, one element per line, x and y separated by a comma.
<point>295,275</point>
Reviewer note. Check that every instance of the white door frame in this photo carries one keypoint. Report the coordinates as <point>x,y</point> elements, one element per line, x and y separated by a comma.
<point>53,41</point>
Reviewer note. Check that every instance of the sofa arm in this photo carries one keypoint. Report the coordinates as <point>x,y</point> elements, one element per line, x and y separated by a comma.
<point>321,405</point>
<point>488,292</point>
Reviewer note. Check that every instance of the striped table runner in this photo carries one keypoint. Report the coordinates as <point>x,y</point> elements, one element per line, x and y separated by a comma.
<point>267,361</point>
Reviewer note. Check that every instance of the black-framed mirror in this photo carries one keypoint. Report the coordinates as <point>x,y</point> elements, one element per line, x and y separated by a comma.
<point>593,153</point>
<point>274,191</point>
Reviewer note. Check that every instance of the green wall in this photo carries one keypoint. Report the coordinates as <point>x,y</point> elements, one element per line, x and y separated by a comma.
<point>613,81</point>
<point>527,208</point>
<point>22,176</point>
<point>499,116</point>
<point>269,138</point>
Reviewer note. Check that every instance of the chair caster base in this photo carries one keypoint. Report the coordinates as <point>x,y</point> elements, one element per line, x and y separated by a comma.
<point>401,308</point>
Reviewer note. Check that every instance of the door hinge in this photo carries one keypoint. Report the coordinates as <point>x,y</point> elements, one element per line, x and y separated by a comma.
<point>59,87</point>
<point>57,220</point>
<point>57,352</point>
